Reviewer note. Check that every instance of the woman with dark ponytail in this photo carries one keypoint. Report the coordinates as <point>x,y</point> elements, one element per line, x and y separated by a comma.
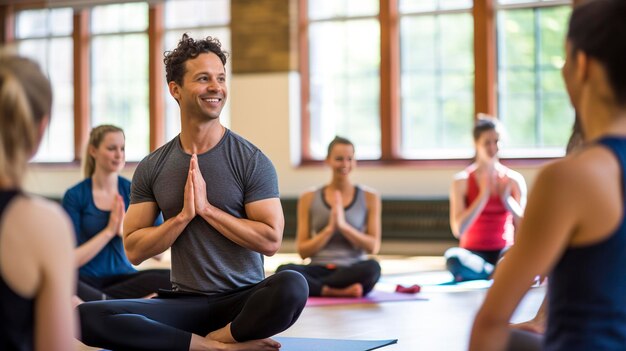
<point>487,201</point>
<point>574,228</point>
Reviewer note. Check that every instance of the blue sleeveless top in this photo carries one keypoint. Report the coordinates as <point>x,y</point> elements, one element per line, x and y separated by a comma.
<point>587,288</point>
<point>16,313</point>
<point>89,220</point>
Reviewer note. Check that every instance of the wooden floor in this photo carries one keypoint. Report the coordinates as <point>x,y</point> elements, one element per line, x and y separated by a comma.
<point>442,322</point>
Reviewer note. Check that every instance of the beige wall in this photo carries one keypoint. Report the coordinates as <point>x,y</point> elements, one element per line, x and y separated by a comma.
<point>264,108</point>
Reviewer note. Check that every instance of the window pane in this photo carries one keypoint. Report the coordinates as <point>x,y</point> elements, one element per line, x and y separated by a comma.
<point>325,9</point>
<point>533,103</point>
<point>172,111</point>
<point>42,23</point>
<point>119,88</point>
<point>437,85</point>
<point>530,2</point>
<point>516,40</point>
<point>43,35</point>
<point>196,13</point>
<point>519,120</point>
<point>414,6</point>
<point>345,85</point>
<point>132,17</point>
<point>58,141</point>
<point>556,125</point>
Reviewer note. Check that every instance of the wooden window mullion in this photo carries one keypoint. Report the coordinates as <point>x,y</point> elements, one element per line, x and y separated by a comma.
<point>485,96</point>
<point>81,81</point>
<point>305,114</point>
<point>389,80</point>
<point>155,73</point>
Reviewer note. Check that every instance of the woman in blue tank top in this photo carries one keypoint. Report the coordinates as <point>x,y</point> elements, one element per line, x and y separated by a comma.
<point>36,259</point>
<point>574,227</point>
<point>97,206</point>
<point>338,224</point>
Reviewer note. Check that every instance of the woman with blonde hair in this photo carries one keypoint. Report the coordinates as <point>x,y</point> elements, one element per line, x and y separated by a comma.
<point>97,206</point>
<point>36,261</point>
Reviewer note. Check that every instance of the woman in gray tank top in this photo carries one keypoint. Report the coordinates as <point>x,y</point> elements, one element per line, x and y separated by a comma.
<point>338,225</point>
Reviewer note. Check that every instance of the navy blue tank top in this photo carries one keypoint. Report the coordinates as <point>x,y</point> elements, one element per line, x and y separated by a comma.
<point>587,288</point>
<point>16,313</point>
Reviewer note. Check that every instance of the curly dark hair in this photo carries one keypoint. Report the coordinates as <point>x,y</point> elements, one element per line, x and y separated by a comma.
<point>188,48</point>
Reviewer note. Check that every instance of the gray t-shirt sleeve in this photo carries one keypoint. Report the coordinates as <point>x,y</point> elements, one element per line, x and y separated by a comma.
<point>262,179</point>
<point>141,186</point>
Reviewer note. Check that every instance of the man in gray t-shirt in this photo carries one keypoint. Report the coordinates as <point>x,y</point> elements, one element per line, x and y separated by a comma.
<point>219,198</point>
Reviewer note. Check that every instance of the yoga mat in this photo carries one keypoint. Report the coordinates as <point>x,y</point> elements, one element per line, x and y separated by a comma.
<point>373,297</point>
<point>310,344</point>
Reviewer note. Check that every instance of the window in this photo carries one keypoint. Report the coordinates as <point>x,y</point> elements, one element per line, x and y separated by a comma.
<point>428,71</point>
<point>45,36</point>
<point>118,66</point>
<point>436,78</point>
<point>189,16</point>
<point>533,103</point>
<point>344,56</point>
<point>119,72</point>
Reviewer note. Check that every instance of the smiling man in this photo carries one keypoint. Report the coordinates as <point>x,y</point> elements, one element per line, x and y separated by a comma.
<point>219,198</point>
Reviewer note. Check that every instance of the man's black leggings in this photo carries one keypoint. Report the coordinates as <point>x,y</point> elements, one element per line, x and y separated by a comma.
<point>124,286</point>
<point>365,272</point>
<point>166,323</point>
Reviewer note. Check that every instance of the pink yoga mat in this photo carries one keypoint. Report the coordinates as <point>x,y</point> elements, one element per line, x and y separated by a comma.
<point>373,297</point>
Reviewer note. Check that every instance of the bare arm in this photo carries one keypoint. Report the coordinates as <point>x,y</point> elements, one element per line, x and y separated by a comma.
<point>142,239</point>
<point>462,216</point>
<point>551,210</point>
<point>308,245</point>
<point>514,195</point>
<point>370,239</point>
<point>55,321</point>
<point>37,262</point>
<point>262,231</point>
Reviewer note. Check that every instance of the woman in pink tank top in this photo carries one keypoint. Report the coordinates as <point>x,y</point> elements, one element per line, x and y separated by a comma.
<point>487,199</point>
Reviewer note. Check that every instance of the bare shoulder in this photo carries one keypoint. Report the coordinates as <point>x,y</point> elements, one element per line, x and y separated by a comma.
<point>593,165</point>
<point>306,198</point>
<point>459,182</point>
<point>370,193</point>
<point>307,195</point>
<point>460,176</point>
<point>582,170</point>
<point>40,220</point>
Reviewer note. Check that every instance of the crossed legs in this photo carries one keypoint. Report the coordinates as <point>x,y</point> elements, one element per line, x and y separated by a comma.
<point>250,313</point>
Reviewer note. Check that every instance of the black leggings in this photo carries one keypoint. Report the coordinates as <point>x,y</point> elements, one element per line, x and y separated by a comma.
<point>124,286</point>
<point>365,272</point>
<point>166,323</point>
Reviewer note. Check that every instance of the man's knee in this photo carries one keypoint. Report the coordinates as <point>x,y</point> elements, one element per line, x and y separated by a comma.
<point>293,287</point>
<point>91,317</point>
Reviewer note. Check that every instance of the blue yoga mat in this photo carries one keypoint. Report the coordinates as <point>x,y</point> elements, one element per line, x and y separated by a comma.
<point>310,344</point>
